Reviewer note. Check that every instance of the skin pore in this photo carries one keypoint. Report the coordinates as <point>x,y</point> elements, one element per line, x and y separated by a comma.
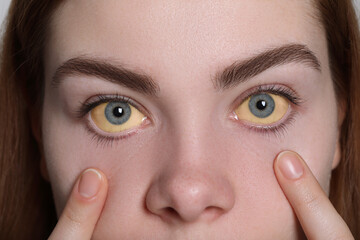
<point>191,169</point>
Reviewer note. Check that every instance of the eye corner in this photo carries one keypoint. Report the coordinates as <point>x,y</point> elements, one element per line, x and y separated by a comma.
<point>233,116</point>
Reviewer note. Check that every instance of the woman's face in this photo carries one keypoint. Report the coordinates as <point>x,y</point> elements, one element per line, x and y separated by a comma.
<point>214,90</point>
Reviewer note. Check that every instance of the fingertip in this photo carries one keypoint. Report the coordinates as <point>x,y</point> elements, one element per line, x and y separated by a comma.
<point>307,198</point>
<point>290,165</point>
<point>91,183</point>
<point>84,206</point>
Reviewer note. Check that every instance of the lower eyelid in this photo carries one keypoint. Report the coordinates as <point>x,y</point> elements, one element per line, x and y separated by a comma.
<point>105,141</point>
<point>282,124</point>
<point>103,136</point>
<point>280,129</point>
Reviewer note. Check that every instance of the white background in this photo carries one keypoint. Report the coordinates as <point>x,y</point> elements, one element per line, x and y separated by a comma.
<point>4,5</point>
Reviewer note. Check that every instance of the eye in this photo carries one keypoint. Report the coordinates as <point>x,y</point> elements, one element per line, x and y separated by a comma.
<point>263,109</point>
<point>116,116</point>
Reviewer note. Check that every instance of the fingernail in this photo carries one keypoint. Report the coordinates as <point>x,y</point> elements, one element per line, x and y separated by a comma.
<point>89,184</point>
<point>290,165</point>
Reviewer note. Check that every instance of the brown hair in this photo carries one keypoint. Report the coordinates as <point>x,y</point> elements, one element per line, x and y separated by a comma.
<point>342,32</point>
<point>26,205</point>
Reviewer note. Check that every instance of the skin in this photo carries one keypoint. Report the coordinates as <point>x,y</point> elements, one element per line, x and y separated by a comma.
<point>192,172</point>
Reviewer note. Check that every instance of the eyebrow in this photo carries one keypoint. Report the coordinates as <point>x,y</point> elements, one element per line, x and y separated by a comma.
<point>102,69</point>
<point>240,71</point>
<point>233,75</point>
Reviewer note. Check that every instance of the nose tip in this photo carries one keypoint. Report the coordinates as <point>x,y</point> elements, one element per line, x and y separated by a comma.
<point>189,198</point>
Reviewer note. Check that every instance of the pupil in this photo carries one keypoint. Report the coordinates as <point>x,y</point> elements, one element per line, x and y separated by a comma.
<point>261,105</point>
<point>118,112</point>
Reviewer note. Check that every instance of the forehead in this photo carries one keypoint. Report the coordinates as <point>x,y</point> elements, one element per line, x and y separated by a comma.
<point>175,35</point>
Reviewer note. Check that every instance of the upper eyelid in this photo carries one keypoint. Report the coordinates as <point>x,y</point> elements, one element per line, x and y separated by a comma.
<point>88,105</point>
<point>278,89</point>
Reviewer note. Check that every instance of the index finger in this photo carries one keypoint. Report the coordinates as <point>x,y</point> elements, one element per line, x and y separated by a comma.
<point>316,214</point>
<point>83,208</point>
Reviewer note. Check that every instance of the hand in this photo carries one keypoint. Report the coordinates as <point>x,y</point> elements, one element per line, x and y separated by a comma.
<point>316,214</point>
<point>83,208</point>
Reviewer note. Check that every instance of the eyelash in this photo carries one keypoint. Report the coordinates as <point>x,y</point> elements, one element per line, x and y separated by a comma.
<point>278,130</point>
<point>279,90</point>
<point>86,107</point>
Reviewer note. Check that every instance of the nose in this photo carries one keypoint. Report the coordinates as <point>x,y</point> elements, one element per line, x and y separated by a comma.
<point>189,193</point>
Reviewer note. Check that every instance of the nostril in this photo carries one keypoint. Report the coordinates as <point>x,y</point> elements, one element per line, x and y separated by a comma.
<point>169,214</point>
<point>171,211</point>
<point>211,213</point>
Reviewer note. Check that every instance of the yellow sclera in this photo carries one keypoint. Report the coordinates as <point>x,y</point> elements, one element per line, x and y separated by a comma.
<point>243,111</point>
<point>99,118</point>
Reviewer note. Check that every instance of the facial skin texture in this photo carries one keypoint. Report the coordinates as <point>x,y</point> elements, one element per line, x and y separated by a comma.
<point>193,172</point>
